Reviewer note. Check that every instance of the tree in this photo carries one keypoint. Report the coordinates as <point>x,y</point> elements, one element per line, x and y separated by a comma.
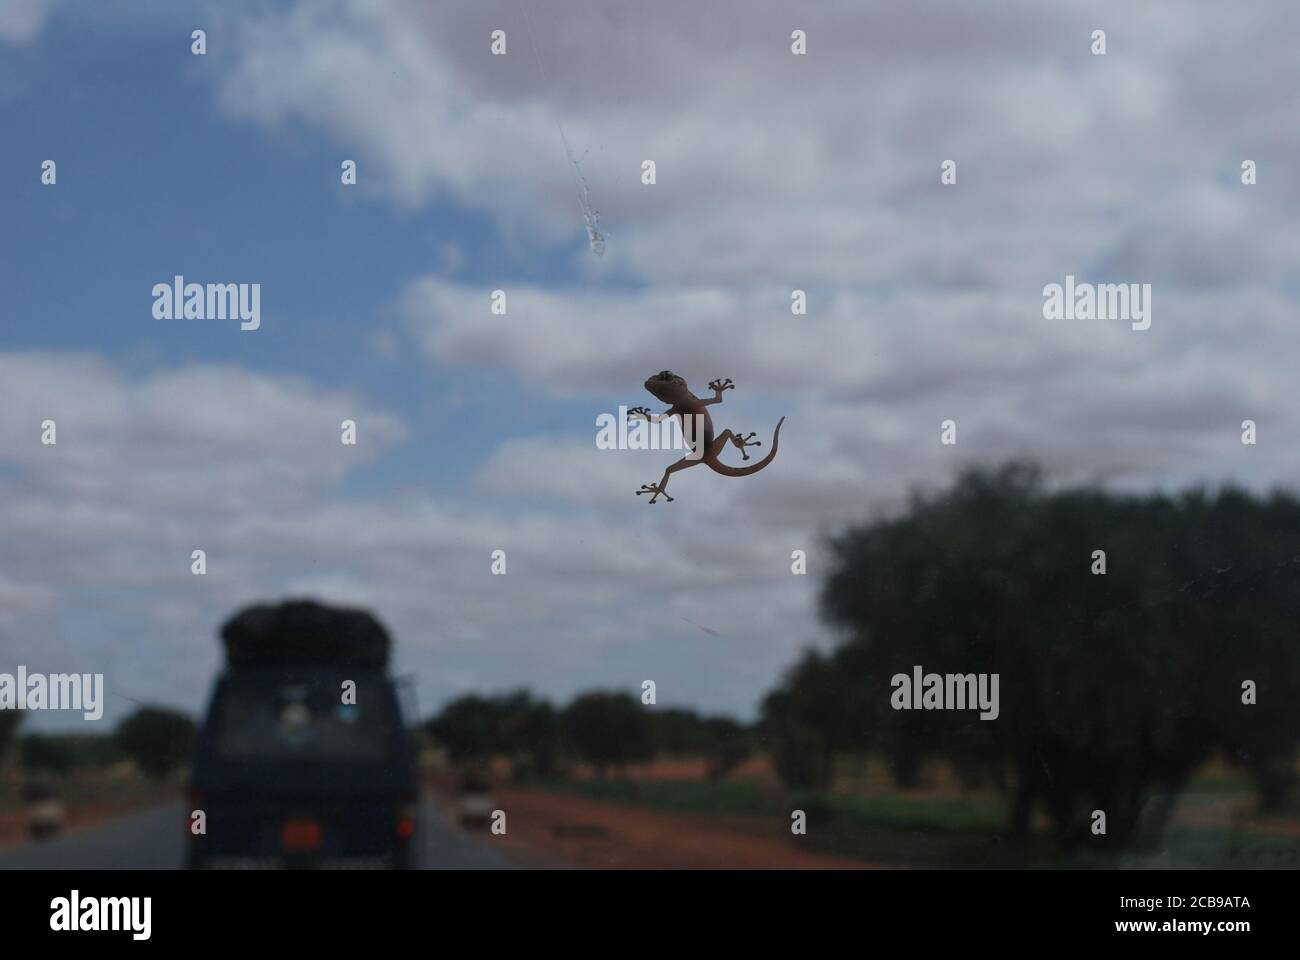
<point>1255,602</point>
<point>60,752</point>
<point>517,725</point>
<point>468,728</point>
<point>678,732</point>
<point>1114,688</point>
<point>726,745</point>
<point>9,721</point>
<point>44,753</point>
<point>529,732</point>
<point>608,729</point>
<point>803,719</point>
<point>156,739</point>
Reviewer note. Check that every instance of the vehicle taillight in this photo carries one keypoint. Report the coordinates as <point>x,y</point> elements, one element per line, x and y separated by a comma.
<point>406,819</point>
<point>300,835</point>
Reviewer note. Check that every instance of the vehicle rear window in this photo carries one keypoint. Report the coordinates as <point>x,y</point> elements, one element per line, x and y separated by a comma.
<point>305,720</point>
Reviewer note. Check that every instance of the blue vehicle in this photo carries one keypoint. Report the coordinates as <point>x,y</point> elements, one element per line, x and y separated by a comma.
<point>303,759</point>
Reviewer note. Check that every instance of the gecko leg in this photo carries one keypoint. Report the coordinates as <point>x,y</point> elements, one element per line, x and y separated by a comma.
<point>718,387</point>
<point>643,413</point>
<point>741,441</point>
<point>662,486</point>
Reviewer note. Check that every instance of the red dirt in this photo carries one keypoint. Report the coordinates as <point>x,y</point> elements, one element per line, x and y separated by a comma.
<point>561,830</point>
<point>758,769</point>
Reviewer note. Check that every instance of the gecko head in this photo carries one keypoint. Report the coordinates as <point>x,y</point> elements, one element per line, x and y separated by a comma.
<point>667,386</point>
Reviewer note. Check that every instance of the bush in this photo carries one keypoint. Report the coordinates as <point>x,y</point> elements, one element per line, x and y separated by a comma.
<point>156,740</point>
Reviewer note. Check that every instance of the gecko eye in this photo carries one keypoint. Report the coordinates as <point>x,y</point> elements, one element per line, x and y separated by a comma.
<point>667,375</point>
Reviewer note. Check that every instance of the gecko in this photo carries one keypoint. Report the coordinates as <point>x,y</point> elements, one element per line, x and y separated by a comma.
<point>706,448</point>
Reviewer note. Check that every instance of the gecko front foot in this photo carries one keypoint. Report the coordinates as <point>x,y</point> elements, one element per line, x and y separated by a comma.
<point>634,412</point>
<point>656,489</point>
<point>743,441</point>
<point>717,386</point>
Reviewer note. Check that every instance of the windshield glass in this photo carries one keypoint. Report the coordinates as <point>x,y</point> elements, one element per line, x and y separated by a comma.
<point>305,719</point>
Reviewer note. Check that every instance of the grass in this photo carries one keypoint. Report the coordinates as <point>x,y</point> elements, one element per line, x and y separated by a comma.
<point>89,787</point>
<point>978,811</point>
<point>948,828</point>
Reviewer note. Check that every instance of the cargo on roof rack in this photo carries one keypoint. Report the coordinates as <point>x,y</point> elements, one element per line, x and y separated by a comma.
<point>303,632</point>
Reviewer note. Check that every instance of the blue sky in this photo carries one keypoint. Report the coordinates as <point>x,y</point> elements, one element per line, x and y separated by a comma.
<point>775,172</point>
<point>153,181</point>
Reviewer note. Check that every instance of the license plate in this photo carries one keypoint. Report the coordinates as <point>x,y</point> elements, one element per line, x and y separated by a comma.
<point>300,835</point>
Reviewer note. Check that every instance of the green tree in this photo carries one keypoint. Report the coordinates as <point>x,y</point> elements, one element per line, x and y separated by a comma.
<point>42,752</point>
<point>517,725</point>
<point>468,727</point>
<point>1114,688</point>
<point>608,729</point>
<point>678,732</point>
<point>727,744</point>
<point>157,740</point>
<point>803,720</point>
<point>529,731</point>
<point>9,721</point>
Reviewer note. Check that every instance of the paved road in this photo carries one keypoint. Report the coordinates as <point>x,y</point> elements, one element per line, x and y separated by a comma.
<point>154,839</point>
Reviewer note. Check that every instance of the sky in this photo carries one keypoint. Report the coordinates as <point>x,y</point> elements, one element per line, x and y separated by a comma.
<point>775,172</point>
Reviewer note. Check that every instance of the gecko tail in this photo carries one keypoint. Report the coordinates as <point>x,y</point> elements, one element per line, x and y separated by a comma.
<point>728,471</point>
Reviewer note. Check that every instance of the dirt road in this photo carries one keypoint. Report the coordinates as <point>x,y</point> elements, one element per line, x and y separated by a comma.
<point>555,829</point>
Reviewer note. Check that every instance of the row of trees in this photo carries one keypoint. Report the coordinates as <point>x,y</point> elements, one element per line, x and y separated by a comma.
<point>156,740</point>
<point>1121,671</point>
<point>604,729</point>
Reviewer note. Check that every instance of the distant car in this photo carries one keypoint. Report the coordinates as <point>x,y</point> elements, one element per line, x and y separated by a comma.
<point>45,812</point>
<point>290,774</point>
<point>476,804</point>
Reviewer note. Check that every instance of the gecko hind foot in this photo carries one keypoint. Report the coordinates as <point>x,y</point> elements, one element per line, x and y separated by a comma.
<point>745,440</point>
<point>656,489</point>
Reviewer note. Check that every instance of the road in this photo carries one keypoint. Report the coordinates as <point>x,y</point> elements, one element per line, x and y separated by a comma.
<point>154,839</point>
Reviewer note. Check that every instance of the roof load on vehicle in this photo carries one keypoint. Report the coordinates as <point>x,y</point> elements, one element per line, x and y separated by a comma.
<point>303,632</point>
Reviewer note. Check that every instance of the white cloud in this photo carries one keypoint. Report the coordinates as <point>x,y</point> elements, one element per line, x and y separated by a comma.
<point>821,172</point>
<point>775,172</point>
<point>821,168</point>
<point>22,20</point>
<point>257,436</point>
<point>99,530</point>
